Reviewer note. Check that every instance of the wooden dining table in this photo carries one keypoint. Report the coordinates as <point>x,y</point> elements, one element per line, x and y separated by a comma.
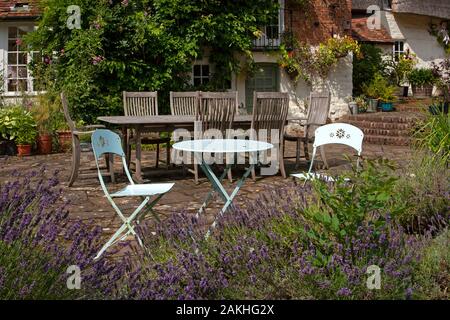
<point>163,123</point>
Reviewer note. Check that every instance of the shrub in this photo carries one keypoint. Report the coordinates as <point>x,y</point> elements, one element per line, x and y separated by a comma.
<point>366,66</point>
<point>423,187</point>
<point>379,88</point>
<point>434,269</point>
<point>421,76</point>
<point>17,124</point>
<point>434,137</point>
<point>38,244</point>
<point>297,242</point>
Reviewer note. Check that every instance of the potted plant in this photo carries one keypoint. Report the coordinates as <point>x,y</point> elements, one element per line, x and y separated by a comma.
<point>422,80</point>
<point>387,98</point>
<point>372,92</point>
<point>361,103</point>
<point>441,72</point>
<point>44,112</point>
<point>398,70</point>
<point>19,125</point>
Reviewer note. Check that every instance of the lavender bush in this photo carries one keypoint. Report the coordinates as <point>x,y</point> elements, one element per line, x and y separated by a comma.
<point>298,242</point>
<point>38,244</point>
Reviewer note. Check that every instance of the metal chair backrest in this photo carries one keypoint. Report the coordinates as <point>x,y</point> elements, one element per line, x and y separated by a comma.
<point>108,142</point>
<point>184,103</point>
<point>216,110</point>
<point>338,133</point>
<point>65,105</point>
<point>140,103</point>
<point>270,111</point>
<point>318,109</point>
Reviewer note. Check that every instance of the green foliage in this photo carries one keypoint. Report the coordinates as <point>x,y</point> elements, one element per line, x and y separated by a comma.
<point>423,185</point>
<point>365,66</point>
<point>379,88</point>
<point>434,269</point>
<point>344,207</point>
<point>434,137</point>
<point>304,63</point>
<point>143,45</point>
<point>421,76</point>
<point>398,69</point>
<point>17,124</point>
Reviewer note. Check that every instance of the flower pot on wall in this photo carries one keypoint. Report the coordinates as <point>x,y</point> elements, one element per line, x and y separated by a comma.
<point>44,143</point>
<point>23,150</point>
<point>65,140</point>
<point>422,91</point>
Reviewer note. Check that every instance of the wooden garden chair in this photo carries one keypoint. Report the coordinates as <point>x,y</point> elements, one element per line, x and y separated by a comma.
<point>216,111</point>
<point>107,142</point>
<point>335,133</point>
<point>270,111</point>
<point>318,110</point>
<point>77,132</point>
<point>144,104</point>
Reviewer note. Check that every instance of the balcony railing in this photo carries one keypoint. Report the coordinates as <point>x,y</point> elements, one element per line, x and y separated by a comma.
<point>275,34</point>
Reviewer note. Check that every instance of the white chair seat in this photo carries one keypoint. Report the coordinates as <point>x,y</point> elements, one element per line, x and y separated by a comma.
<point>313,176</point>
<point>137,190</point>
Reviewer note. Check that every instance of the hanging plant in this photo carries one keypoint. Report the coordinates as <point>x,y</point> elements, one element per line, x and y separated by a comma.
<point>442,33</point>
<point>304,62</point>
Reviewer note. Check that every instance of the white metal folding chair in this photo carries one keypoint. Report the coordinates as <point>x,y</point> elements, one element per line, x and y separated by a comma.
<point>335,133</point>
<point>107,142</point>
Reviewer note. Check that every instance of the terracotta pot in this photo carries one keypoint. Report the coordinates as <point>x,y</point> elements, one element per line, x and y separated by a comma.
<point>65,140</point>
<point>44,143</point>
<point>24,150</point>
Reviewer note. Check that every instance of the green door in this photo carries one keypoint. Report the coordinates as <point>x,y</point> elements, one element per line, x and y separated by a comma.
<point>265,79</point>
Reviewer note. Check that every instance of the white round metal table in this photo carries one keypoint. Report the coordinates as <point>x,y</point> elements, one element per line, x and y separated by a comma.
<point>227,146</point>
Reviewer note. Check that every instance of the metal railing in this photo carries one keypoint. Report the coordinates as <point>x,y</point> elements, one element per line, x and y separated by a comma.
<point>275,34</point>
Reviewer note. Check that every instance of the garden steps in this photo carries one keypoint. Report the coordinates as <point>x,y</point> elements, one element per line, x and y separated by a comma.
<point>386,128</point>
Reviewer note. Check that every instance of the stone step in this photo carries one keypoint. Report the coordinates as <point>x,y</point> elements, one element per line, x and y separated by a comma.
<point>380,125</point>
<point>387,140</point>
<point>386,132</point>
<point>381,118</point>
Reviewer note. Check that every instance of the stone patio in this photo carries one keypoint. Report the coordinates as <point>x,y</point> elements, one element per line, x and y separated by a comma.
<point>87,201</point>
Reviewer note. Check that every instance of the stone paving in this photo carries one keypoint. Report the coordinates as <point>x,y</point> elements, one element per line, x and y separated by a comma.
<point>88,203</point>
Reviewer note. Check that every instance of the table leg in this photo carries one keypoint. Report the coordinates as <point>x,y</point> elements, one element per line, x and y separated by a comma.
<point>138,173</point>
<point>125,146</point>
<point>217,186</point>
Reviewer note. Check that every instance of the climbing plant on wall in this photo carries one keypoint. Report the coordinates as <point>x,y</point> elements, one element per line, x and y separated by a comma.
<point>306,62</point>
<point>442,33</point>
<point>141,45</point>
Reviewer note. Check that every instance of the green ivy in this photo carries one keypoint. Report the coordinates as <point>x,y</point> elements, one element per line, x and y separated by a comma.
<point>142,45</point>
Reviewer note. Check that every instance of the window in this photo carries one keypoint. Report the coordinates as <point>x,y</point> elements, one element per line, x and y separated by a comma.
<point>399,49</point>
<point>201,74</point>
<point>265,79</point>
<point>18,77</point>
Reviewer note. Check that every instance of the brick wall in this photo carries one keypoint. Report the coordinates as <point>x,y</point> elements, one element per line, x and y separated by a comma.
<point>320,19</point>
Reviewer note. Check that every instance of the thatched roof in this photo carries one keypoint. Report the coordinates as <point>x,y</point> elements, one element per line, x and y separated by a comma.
<point>432,8</point>
<point>362,5</point>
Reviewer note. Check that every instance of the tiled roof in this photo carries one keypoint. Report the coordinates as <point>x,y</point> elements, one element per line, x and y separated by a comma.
<point>18,9</point>
<point>361,32</point>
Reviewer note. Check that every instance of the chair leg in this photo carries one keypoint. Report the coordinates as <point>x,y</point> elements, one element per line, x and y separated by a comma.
<point>253,174</point>
<point>168,154</point>
<point>76,155</point>
<point>196,173</point>
<point>110,161</point>
<point>297,154</point>
<point>305,148</point>
<point>324,158</point>
<point>281,160</point>
<point>230,176</point>
<point>157,156</point>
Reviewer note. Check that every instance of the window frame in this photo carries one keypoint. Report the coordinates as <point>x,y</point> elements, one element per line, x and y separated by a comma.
<point>201,77</point>
<point>396,53</point>
<point>29,80</point>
